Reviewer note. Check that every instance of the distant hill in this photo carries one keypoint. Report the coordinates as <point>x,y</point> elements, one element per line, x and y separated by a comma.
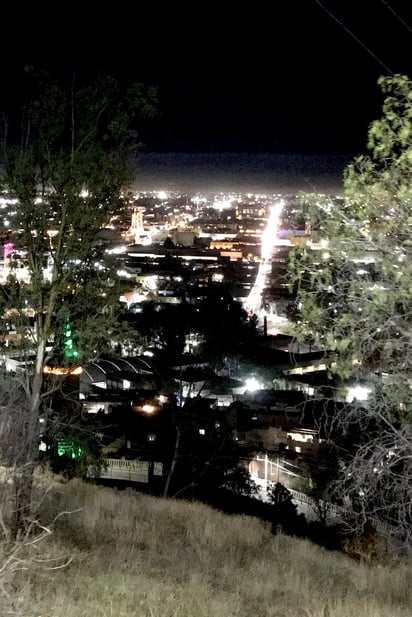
<point>243,172</point>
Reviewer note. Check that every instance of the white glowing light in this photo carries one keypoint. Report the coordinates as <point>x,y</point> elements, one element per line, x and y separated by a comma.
<point>162,195</point>
<point>123,274</point>
<point>117,250</point>
<point>269,238</point>
<point>271,232</point>
<point>252,384</point>
<point>360,393</point>
<point>222,204</point>
<point>151,282</point>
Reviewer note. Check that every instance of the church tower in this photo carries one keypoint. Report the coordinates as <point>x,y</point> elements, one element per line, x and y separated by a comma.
<point>136,228</point>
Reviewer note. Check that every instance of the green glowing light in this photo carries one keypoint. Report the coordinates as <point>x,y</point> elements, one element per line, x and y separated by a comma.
<point>70,448</point>
<point>70,350</point>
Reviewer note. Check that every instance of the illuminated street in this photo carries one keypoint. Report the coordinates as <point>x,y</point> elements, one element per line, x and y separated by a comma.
<point>254,302</point>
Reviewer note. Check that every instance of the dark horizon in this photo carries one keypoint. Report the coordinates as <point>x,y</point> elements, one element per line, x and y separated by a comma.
<point>240,172</point>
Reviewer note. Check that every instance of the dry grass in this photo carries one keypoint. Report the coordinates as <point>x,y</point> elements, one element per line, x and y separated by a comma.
<point>136,555</point>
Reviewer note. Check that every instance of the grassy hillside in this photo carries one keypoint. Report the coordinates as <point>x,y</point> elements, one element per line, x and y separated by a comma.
<point>129,554</point>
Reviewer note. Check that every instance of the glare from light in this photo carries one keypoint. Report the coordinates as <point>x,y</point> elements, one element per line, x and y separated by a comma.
<point>151,282</point>
<point>123,274</point>
<point>117,249</point>
<point>269,239</point>
<point>358,393</point>
<point>270,234</point>
<point>222,204</point>
<point>252,384</point>
<point>60,370</point>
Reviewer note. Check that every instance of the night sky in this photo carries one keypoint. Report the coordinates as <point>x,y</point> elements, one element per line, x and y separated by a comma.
<point>294,77</point>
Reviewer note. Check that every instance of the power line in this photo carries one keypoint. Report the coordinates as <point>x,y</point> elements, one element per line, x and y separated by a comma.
<point>361,43</point>
<point>403,22</point>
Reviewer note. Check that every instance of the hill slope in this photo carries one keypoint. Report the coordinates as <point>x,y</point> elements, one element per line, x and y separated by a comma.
<point>130,554</point>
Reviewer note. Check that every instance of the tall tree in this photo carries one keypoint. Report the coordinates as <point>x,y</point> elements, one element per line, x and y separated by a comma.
<point>65,164</point>
<point>354,299</point>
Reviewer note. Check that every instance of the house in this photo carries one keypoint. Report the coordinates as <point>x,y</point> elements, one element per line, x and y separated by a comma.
<point>272,407</point>
<point>110,380</point>
<point>195,381</point>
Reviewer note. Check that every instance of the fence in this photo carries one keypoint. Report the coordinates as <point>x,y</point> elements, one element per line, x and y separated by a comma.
<point>341,513</point>
<point>130,471</point>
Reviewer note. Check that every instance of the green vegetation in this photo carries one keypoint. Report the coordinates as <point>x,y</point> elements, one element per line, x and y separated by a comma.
<point>69,548</point>
<point>66,162</point>
<point>354,299</point>
<point>119,554</point>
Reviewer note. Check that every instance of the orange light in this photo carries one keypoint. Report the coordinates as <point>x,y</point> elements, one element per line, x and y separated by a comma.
<point>60,370</point>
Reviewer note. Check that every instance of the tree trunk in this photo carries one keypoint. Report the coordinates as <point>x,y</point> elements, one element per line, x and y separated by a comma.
<point>27,451</point>
<point>173,464</point>
<point>23,490</point>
